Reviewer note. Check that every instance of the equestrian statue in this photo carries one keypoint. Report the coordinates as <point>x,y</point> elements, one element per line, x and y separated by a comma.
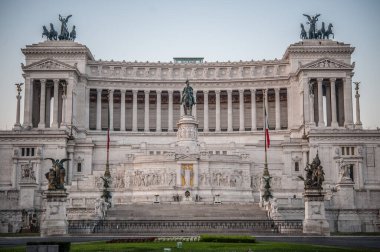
<point>187,99</point>
<point>313,32</point>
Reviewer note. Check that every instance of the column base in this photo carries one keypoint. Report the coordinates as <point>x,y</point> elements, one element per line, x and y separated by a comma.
<point>349,125</point>
<point>321,124</point>
<point>17,127</point>
<point>358,125</point>
<point>54,125</point>
<point>42,125</point>
<point>334,125</point>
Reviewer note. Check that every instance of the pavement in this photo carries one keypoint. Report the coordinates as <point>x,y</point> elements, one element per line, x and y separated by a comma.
<point>362,242</point>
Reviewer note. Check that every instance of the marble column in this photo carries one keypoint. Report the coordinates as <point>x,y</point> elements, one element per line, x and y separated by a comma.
<point>334,121</point>
<point>348,116</point>
<point>278,111</point>
<point>205,108</point>
<point>122,110</point>
<point>42,123</point>
<point>56,98</point>
<point>98,109</point>
<point>134,111</point>
<point>178,177</point>
<point>217,110</point>
<point>321,122</point>
<point>64,105</point>
<point>110,108</point>
<point>27,108</point>
<point>158,111</point>
<point>146,111</point>
<point>328,106</point>
<point>170,111</point>
<point>241,110</point>
<point>229,111</point>
<point>17,125</point>
<point>87,109</point>
<point>253,110</point>
<point>311,103</point>
<point>358,123</point>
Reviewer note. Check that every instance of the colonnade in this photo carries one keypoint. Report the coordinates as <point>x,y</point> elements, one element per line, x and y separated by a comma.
<point>168,125</point>
<point>37,108</point>
<point>338,104</point>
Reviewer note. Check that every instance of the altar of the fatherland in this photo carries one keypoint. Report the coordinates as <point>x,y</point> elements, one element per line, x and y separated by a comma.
<point>215,159</point>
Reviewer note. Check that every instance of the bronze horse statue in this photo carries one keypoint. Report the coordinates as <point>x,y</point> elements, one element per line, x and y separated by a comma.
<point>50,35</point>
<point>303,34</point>
<point>328,32</point>
<point>187,99</point>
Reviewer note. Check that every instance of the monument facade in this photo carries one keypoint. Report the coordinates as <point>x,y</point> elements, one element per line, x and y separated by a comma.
<point>162,151</point>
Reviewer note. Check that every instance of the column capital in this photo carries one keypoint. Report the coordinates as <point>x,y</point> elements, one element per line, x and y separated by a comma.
<point>146,92</point>
<point>333,80</point>
<point>123,91</point>
<point>217,91</point>
<point>134,91</point>
<point>110,91</point>
<point>241,91</point>
<point>319,80</point>
<point>158,92</point>
<point>253,90</point>
<point>170,92</point>
<point>229,91</point>
<point>205,91</point>
<point>43,81</point>
<point>56,81</point>
<point>277,89</point>
<point>99,90</point>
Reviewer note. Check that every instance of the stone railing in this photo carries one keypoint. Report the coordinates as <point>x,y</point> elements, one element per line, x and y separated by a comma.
<point>183,227</point>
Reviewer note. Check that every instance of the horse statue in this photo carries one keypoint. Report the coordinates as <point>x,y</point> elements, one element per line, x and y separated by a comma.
<point>53,34</point>
<point>328,32</point>
<point>303,34</point>
<point>45,32</point>
<point>187,99</point>
<point>314,175</point>
<point>73,34</point>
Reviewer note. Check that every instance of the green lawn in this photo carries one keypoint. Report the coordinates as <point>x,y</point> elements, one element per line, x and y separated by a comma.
<point>195,246</point>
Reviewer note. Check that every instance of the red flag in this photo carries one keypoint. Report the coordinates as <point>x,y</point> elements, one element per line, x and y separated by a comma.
<point>267,139</point>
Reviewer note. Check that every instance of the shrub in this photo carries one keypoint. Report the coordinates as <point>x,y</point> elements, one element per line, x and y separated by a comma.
<point>133,239</point>
<point>62,246</point>
<point>228,238</point>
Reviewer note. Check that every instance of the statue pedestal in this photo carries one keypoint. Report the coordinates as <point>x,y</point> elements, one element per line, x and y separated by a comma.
<point>54,220</point>
<point>348,219</point>
<point>187,135</point>
<point>315,217</point>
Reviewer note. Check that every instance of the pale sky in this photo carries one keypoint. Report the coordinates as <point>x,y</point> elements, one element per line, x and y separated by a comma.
<point>218,30</point>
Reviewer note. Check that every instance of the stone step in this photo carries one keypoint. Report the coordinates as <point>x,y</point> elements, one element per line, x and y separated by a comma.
<point>182,212</point>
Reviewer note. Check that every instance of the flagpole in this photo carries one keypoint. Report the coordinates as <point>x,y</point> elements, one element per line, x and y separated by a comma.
<point>266,171</point>
<point>107,173</point>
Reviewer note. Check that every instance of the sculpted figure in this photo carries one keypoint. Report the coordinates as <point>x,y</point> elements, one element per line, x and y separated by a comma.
<point>56,175</point>
<point>64,31</point>
<point>303,34</point>
<point>312,21</point>
<point>314,175</point>
<point>73,34</point>
<point>187,99</point>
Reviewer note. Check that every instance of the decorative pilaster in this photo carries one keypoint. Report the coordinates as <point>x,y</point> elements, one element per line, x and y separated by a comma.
<point>122,110</point>
<point>170,111</point>
<point>205,108</point>
<point>334,121</point>
<point>158,115</point>
<point>98,109</point>
<point>87,110</point>
<point>321,122</point>
<point>17,125</point>
<point>358,123</point>
<point>253,110</point>
<point>134,111</point>
<point>278,115</point>
<point>110,110</point>
<point>241,110</point>
<point>56,98</point>
<point>41,124</point>
<point>217,111</point>
<point>229,111</point>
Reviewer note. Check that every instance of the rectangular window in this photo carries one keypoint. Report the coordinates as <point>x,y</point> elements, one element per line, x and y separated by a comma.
<point>22,151</point>
<point>296,166</point>
<point>32,150</point>
<point>352,172</point>
<point>79,167</point>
